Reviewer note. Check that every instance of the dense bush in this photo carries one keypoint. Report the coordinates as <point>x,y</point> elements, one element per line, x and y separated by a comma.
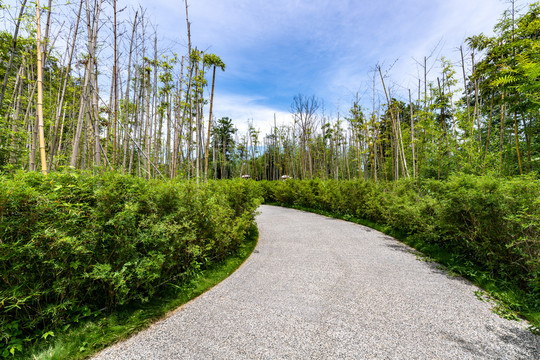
<point>490,221</point>
<point>72,243</point>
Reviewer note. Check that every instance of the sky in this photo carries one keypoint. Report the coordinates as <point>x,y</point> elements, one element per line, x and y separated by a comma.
<point>276,49</point>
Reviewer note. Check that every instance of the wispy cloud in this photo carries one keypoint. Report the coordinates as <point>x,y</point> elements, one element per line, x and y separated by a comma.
<point>245,109</point>
<point>276,49</point>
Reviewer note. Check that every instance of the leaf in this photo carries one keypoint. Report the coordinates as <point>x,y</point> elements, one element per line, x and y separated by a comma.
<point>47,334</point>
<point>14,348</point>
<point>504,80</point>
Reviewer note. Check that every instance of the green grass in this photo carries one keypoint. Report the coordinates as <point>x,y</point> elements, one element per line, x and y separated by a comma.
<point>94,334</point>
<point>508,300</point>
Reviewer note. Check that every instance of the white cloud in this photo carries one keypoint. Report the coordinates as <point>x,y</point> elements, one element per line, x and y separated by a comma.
<point>276,49</point>
<point>242,109</point>
<point>326,48</point>
<point>402,35</point>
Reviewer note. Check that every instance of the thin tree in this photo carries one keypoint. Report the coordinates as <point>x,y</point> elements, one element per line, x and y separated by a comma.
<point>115,77</point>
<point>128,86</point>
<point>12,55</point>
<point>214,61</point>
<point>54,141</point>
<point>40,93</point>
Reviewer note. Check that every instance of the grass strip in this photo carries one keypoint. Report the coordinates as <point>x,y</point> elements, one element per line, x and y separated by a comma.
<point>509,301</point>
<point>96,333</point>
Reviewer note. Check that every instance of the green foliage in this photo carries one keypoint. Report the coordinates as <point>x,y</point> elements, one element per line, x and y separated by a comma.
<point>492,223</point>
<point>224,146</point>
<point>95,333</point>
<point>72,243</point>
<point>213,60</point>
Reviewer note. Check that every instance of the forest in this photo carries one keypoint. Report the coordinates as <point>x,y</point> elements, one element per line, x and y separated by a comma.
<point>115,174</point>
<point>143,113</point>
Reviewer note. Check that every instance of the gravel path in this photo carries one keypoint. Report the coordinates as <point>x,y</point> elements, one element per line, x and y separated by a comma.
<point>320,288</point>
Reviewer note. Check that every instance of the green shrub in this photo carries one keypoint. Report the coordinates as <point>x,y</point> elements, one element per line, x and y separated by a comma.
<point>492,222</point>
<point>72,243</point>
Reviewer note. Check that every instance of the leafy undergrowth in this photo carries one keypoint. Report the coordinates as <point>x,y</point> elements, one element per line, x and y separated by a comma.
<point>508,300</point>
<point>74,244</point>
<point>97,332</point>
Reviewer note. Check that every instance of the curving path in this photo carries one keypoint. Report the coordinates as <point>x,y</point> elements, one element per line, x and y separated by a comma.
<point>320,288</point>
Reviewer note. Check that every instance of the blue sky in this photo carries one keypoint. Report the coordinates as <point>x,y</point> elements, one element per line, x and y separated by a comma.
<point>275,49</point>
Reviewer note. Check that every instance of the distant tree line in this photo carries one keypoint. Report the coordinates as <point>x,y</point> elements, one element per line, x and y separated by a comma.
<point>152,120</point>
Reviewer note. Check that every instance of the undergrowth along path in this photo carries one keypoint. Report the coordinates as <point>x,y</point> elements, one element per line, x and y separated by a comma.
<point>319,288</point>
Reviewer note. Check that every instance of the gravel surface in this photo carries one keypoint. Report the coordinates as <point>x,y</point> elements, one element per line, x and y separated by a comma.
<point>320,288</point>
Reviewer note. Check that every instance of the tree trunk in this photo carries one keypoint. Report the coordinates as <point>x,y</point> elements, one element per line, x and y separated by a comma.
<point>517,143</point>
<point>12,55</point>
<point>502,134</point>
<point>412,135</point>
<point>177,120</point>
<point>465,85</point>
<point>39,113</point>
<point>15,120</point>
<point>127,107</point>
<point>209,125</point>
<point>78,132</point>
<point>488,134</point>
<point>54,141</point>
<point>147,128</point>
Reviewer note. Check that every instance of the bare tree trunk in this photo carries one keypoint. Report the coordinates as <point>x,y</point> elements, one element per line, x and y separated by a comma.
<point>403,158</point>
<point>147,128</point>
<point>15,93</point>
<point>30,121</point>
<point>157,136</point>
<point>47,28</point>
<point>39,113</point>
<point>115,77</point>
<point>209,126</point>
<point>476,107</point>
<point>200,127</point>
<point>78,132</point>
<point>137,96</point>
<point>176,136</point>
<point>60,138</point>
<point>12,55</point>
<point>396,147</point>
<point>517,143</point>
<point>168,141</point>
<point>154,129</point>
<point>15,120</point>
<point>86,124</point>
<point>527,130</point>
<point>33,145</point>
<point>110,114</point>
<point>465,84</point>
<point>128,86</point>
<point>198,134</point>
<point>92,41</point>
<point>54,141</point>
<point>136,137</point>
<point>190,134</point>
<point>502,134</point>
<point>488,134</point>
<point>215,160</point>
<point>188,94</point>
<point>412,135</point>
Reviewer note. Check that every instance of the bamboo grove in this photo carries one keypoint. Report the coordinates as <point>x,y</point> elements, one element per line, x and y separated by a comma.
<point>112,98</point>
